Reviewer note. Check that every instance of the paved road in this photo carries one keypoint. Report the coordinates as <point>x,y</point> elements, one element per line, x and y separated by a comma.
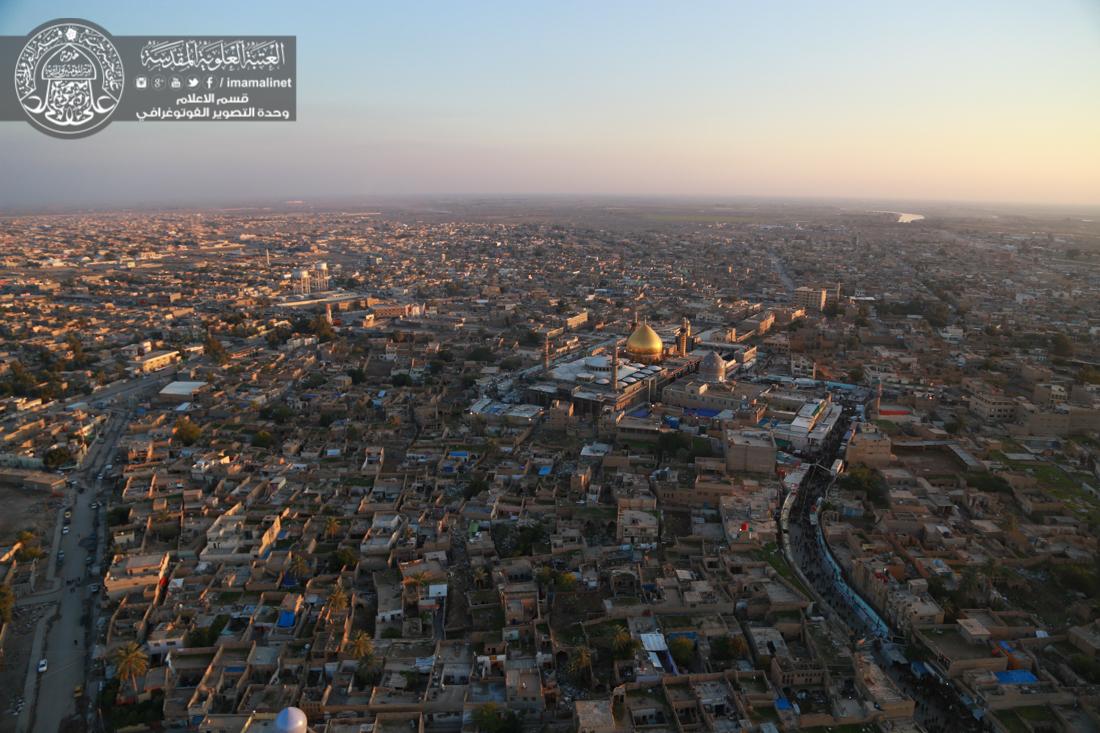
<point>68,641</point>
<point>781,271</point>
<point>129,387</point>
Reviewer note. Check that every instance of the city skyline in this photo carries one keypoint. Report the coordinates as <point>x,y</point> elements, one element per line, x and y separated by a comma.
<point>985,103</point>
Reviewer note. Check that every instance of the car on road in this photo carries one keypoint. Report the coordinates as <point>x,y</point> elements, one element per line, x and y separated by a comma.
<point>94,505</point>
<point>68,514</point>
<point>42,665</point>
<point>65,529</point>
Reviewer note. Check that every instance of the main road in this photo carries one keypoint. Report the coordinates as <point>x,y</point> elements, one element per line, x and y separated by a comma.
<point>71,636</point>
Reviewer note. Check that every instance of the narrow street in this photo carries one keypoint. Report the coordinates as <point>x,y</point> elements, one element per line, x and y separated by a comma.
<point>938,707</point>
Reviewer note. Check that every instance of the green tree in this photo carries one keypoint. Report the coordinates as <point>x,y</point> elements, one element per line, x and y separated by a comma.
<point>481,576</point>
<point>623,644</point>
<point>722,648</point>
<point>361,646</point>
<point>298,568</point>
<point>338,599</point>
<point>480,353</point>
<point>213,348</point>
<point>682,650</point>
<point>1061,345</point>
<point>130,663</point>
<point>57,457</point>
<point>492,718</point>
<point>187,431</point>
<point>345,557</point>
<point>580,665</point>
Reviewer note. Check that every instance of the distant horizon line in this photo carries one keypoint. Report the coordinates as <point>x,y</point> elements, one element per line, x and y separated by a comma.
<point>366,200</point>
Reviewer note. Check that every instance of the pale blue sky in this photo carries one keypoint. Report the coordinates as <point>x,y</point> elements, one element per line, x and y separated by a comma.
<point>980,100</point>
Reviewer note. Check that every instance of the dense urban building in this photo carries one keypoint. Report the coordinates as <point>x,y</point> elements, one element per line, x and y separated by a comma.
<point>593,470</point>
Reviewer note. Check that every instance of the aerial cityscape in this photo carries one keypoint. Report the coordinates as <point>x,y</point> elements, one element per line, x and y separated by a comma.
<point>604,467</point>
<point>572,367</point>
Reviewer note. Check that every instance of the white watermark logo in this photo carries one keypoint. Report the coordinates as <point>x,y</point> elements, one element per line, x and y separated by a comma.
<point>69,78</point>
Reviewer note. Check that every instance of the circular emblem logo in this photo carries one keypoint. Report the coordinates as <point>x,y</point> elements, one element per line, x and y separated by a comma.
<point>69,78</point>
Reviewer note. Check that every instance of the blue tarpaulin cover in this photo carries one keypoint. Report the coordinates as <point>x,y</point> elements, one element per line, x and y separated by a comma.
<point>286,619</point>
<point>1016,677</point>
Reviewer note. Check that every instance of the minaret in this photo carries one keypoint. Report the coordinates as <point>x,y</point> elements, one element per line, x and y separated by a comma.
<point>684,335</point>
<point>615,367</point>
<point>328,313</point>
<point>546,352</point>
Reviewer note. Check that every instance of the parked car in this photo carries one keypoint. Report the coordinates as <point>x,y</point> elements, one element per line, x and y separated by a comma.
<point>42,666</point>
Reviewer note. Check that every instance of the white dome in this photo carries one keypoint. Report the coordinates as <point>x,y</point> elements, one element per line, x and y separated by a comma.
<point>291,720</point>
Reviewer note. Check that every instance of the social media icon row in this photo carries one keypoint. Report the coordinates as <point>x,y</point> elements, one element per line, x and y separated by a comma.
<point>175,82</point>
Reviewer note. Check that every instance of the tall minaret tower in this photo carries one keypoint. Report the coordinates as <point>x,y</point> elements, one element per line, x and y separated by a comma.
<point>546,352</point>
<point>683,336</point>
<point>615,367</point>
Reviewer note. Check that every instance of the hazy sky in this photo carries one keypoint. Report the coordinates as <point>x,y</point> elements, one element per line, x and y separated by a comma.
<point>988,100</point>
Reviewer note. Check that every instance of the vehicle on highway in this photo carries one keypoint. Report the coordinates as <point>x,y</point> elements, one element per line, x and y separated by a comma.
<point>42,665</point>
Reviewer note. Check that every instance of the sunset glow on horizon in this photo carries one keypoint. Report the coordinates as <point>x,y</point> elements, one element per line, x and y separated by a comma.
<point>983,101</point>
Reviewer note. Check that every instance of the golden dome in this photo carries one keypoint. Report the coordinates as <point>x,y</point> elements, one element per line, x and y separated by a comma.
<point>644,342</point>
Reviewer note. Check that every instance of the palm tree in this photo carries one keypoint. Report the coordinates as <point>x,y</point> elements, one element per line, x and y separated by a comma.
<point>480,576</point>
<point>418,579</point>
<point>581,663</point>
<point>361,646</point>
<point>298,568</point>
<point>131,663</point>
<point>332,527</point>
<point>623,643</point>
<point>338,599</point>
